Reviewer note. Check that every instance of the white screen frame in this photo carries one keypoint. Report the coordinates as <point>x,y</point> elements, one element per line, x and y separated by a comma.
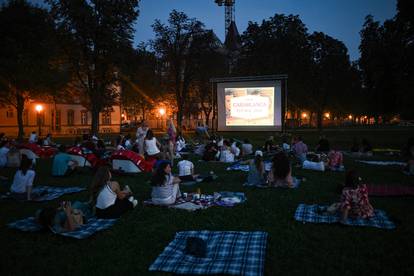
<point>277,116</point>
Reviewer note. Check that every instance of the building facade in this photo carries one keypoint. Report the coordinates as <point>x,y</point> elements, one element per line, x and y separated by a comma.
<point>60,119</point>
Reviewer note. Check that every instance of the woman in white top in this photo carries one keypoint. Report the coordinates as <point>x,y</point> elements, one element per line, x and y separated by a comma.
<point>165,186</point>
<point>23,181</point>
<point>151,144</point>
<point>141,133</point>
<point>110,201</point>
<point>33,137</point>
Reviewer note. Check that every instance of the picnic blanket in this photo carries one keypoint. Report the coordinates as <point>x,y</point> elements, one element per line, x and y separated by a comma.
<point>245,167</point>
<point>46,193</point>
<point>84,231</point>
<point>296,183</point>
<point>314,214</point>
<point>382,163</point>
<point>224,199</point>
<point>390,190</point>
<point>230,252</point>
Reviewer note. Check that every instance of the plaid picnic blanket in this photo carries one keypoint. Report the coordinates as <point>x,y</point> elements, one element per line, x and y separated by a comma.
<point>245,167</point>
<point>47,193</point>
<point>230,252</point>
<point>390,190</point>
<point>314,214</point>
<point>382,163</point>
<point>92,226</point>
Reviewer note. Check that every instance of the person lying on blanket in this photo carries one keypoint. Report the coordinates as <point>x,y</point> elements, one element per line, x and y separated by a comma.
<point>63,164</point>
<point>108,198</point>
<point>23,181</point>
<point>354,199</point>
<point>280,174</point>
<point>256,176</point>
<point>165,186</point>
<point>66,218</point>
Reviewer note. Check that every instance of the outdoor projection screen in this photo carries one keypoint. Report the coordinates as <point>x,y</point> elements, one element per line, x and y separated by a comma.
<point>249,106</point>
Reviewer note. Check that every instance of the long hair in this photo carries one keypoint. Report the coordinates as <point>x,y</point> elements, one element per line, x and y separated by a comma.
<point>159,177</point>
<point>149,135</point>
<point>352,179</point>
<point>258,161</point>
<point>101,177</point>
<point>281,165</point>
<point>25,165</point>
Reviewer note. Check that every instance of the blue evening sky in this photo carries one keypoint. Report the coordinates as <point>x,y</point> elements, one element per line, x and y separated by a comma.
<point>341,19</point>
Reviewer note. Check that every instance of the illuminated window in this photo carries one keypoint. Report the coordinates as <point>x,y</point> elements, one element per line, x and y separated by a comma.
<point>106,118</point>
<point>9,113</point>
<point>71,117</point>
<point>84,117</point>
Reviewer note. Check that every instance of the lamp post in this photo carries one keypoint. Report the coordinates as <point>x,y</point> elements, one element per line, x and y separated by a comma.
<point>162,112</point>
<point>39,109</point>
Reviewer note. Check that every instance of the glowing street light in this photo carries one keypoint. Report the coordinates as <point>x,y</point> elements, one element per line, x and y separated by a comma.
<point>161,111</point>
<point>304,115</point>
<point>350,117</point>
<point>327,115</point>
<point>39,108</point>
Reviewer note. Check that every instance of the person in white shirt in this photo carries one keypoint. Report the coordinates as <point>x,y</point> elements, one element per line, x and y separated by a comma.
<point>23,181</point>
<point>247,147</point>
<point>186,170</point>
<point>48,140</point>
<point>110,201</point>
<point>225,153</point>
<point>33,137</point>
<point>4,150</point>
<point>235,149</point>
<point>141,133</point>
<point>180,144</point>
<point>128,142</point>
<point>151,144</point>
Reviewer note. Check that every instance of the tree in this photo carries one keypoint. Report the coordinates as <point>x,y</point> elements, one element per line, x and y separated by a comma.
<point>330,73</point>
<point>95,34</point>
<point>29,59</point>
<point>174,46</point>
<point>140,81</point>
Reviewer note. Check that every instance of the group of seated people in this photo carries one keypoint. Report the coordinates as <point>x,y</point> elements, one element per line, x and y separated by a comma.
<point>223,150</point>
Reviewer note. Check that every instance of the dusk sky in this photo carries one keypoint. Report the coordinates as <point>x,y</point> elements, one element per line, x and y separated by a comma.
<point>341,19</point>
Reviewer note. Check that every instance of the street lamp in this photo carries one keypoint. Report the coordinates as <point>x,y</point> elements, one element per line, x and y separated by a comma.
<point>39,109</point>
<point>162,112</point>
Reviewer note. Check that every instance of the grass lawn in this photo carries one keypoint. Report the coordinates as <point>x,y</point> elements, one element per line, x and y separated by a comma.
<point>135,241</point>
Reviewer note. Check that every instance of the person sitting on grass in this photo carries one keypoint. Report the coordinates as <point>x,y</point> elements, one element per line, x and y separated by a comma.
<point>280,174</point>
<point>108,198</point>
<point>225,154</point>
<point>210,152</point>
<point>33,138</point>
<point>48,140</point>
<point>21,188</point>
<point>63,164</point>
<point>256,176</point>
<point>323,145</point>
<point>186,170</point>
<point>4,151</point>
<point>68,217</point>
<point>285,144</point>
<point>235,148</point>
<point>299,149</point>
<point>180,145</point>
<point>269,144</point>
<point>246,148</point>
<point>354,199</point>
<point>165,186</point>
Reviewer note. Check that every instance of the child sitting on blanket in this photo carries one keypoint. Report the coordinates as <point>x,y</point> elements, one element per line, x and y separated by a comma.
<point>66,218</point>
<point>280,174</point>
<point>354,199</point>
<point>335,159</point>
<point>256,174</point>
<point>108,198</point>
<point>23,180</point>
<point>165,186</point>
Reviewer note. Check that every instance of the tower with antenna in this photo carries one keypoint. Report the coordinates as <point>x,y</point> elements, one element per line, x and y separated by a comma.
<point>229,12</point>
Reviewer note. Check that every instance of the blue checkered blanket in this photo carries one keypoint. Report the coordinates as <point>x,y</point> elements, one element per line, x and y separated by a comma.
<point>47,193</point>
<point>382,163</point>
<point>245,167</point>
<point>315,214</point>
<point>234,253</point>
<point>84,231</point>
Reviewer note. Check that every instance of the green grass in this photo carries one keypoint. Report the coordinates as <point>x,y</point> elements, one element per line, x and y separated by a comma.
<point>293,248</point>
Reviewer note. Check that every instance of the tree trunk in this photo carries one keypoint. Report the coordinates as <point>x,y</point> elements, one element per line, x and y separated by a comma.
<point>95,120</point>
<point>319,114</point>
<point>20,110</point>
